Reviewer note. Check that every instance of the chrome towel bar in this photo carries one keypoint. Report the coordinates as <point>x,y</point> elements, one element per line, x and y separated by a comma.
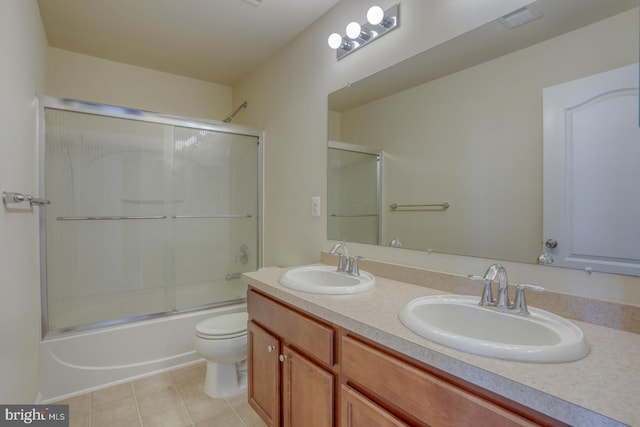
<point>352,216</point>
<point>444,205</point>
<point>111,218</point>
<point>210,216</point>
<point>105,218</point>
<point>10,197</point>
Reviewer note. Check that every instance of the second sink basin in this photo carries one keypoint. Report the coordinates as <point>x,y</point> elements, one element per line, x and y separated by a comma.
<point>324,279</point>
<point>458,322</point>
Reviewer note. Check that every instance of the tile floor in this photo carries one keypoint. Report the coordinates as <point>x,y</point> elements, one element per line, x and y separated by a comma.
<point>171,399</point>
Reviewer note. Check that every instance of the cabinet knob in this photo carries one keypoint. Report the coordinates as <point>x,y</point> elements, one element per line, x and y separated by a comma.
<point>282,357</point>
<point>270,348</point>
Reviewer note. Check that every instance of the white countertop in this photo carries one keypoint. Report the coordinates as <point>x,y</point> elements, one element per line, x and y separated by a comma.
<point>603,389</point>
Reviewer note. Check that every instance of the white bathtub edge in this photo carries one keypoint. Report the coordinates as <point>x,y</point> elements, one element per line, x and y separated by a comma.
<point>81,363</point>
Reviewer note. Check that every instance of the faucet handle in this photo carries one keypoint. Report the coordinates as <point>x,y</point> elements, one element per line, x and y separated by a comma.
<point>520,304</point>
<point>354,270</point>
<point>487,292</point>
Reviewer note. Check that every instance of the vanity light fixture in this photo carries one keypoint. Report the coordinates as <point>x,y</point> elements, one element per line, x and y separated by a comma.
<point>375,15</point>
<point>379,22</point>
<point>336,41</point>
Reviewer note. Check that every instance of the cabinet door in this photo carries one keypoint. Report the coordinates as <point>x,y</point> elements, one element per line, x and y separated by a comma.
<point>264,374</point>
<point>308,392</point>
<point>358,411</point>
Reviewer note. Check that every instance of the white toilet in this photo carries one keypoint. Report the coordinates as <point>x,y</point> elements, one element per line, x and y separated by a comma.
<point>222,340</point>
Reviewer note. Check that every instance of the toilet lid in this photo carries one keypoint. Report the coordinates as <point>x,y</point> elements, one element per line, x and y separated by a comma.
<point>224,325</point>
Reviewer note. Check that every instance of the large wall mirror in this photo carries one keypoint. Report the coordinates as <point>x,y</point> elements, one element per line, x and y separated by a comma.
<point>459,131</point>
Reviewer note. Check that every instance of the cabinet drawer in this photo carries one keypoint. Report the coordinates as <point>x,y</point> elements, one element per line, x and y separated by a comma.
<point>413,391</point>
<point>314,338</point>
<point>358,411</point>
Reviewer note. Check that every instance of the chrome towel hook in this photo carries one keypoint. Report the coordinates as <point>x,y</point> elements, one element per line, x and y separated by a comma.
<point>10,197</point>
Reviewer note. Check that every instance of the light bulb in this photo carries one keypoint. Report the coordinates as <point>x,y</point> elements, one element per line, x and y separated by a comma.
<point>353,30</point>
<point>335,41</point>
<point>375,15</point>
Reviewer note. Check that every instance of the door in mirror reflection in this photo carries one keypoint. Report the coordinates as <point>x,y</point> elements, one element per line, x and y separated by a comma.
<point>354,202</point>
<point>591,173</point>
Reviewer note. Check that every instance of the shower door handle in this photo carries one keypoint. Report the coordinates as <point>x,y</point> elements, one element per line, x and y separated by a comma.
<point>38,201</point>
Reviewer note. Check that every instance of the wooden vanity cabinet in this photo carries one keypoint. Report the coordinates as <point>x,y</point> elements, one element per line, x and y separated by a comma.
<point>291,358</point>
<point>305,372</point>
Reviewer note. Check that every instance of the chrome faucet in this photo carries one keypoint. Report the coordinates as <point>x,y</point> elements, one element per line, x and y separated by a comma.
<point>497,271</point>
<point>346,263</point>
<point>344,260</point>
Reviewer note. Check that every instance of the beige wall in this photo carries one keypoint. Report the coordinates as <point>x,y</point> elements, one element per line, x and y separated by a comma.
<point>450,133</point>
<point>23,47</point>
<point>87,78</point>
<point>288,98</point>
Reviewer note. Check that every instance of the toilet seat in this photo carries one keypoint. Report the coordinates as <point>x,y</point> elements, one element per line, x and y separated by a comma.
<point>222,327</point>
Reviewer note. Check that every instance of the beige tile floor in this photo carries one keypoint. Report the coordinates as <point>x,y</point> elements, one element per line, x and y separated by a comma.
<point>171,399</point>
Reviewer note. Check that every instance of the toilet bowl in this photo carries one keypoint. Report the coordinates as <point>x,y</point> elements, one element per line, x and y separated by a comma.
<point>222,341</point>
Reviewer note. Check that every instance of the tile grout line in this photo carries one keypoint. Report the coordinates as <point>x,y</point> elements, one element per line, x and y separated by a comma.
<point>135,400</point>
<point>184,405</point>
<point>235,412</point>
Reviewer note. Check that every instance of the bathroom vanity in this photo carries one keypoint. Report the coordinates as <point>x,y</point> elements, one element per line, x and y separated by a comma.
<point>328,360</point>
<point>306,372</point>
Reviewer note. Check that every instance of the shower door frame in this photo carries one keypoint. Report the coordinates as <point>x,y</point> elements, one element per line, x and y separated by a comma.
<point>105,110</point>
<point>362,149</point>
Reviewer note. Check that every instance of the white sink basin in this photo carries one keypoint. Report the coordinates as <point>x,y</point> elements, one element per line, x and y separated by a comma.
<point>459,322</point>
<point>324,279</point>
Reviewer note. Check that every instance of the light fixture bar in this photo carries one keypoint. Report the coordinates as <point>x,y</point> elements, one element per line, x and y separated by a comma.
<point>368,32</point>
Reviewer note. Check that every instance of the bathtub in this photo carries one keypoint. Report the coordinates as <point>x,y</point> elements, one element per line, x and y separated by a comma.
<point>75,364</point>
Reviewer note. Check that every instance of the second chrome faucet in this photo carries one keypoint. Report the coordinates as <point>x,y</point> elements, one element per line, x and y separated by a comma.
<point>346,263</point>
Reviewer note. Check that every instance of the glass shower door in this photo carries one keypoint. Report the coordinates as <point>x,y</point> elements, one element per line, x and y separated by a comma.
<point>215,212</point>
<point>146,217</point>
<point>106,227</point>
<point>354,196</point>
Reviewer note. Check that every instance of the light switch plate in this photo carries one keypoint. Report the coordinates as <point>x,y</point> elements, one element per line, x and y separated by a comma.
<point>315,206</point>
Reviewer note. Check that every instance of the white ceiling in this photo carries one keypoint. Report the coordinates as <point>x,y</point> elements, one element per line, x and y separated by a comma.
<point>213,40</point>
